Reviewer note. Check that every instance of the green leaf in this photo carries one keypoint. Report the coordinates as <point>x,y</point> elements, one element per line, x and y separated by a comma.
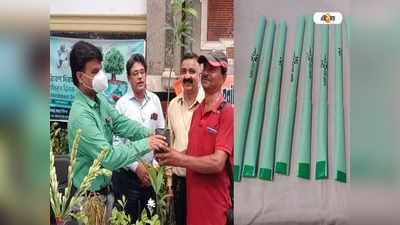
<point>164,197</point>
<point>147,220</point>
<point>144,214</point>
<point>162,169</point>
<point>170,28</point>
<point>120,203</point>
<point>160,178</point>
<point>191,11</point>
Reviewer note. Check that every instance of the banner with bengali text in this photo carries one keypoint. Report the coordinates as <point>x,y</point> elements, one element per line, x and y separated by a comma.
<point>62,89</point>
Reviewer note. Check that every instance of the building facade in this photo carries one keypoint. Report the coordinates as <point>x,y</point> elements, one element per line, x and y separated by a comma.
<point>146,19</point>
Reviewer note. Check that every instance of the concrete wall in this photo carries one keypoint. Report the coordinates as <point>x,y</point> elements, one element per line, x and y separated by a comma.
<point>155,44</point>
<point>197,29</point>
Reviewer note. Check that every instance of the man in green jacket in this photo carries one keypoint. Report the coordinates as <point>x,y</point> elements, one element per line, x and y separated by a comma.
<point>99,121</point>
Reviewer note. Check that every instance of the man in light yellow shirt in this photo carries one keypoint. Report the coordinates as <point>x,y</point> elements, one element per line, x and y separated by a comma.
<point>180,113</point>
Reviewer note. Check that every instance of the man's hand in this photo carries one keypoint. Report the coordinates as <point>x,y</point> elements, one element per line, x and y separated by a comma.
<point>141,172</point>
<point>157,142</point>
<point>171,158</point>
<point>207,164</point>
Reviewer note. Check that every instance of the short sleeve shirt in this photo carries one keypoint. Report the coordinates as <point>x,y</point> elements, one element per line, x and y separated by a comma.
<point>208,194</point>
<point>180,118</point>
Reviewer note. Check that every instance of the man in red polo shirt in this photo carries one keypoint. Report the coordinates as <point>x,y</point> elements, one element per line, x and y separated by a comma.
<point>210,146</point>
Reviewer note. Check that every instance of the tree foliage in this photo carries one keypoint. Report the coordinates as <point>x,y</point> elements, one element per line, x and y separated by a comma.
<point>113,62</point>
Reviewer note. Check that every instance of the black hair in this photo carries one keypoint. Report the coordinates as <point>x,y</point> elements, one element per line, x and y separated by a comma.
<point>223,70</point>
<point>189,55</point>
<point>132,60</point>
<point>81,53</point>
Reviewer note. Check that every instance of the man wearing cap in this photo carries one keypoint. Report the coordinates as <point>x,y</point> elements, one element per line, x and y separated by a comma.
<point>210,147</point>
<point>180,111</point>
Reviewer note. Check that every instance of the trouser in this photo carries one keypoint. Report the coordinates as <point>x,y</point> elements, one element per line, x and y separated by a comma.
<point>127,183</point>
<point>179,189</point>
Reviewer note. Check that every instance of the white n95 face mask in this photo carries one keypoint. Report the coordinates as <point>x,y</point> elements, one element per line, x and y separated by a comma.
<point>99,82</point>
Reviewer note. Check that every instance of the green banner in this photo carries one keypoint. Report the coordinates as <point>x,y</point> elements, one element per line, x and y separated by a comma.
<point>62,89</point>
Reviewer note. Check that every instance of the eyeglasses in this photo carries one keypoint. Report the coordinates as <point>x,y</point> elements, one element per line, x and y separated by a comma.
<point>137,72</point>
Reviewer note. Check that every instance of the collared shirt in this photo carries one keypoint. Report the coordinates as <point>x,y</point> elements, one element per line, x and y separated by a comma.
<point>148,113</point>
<point>99,122</point>
<point>179,119</point>
<point>208,194</point>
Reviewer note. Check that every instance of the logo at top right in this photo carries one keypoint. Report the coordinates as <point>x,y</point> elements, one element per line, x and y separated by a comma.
<point>327,18</point>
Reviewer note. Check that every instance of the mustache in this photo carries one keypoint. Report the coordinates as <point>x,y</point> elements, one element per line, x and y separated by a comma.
<point>187,80</point>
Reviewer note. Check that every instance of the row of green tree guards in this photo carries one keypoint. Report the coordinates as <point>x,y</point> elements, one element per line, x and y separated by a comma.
<point>248,136</point>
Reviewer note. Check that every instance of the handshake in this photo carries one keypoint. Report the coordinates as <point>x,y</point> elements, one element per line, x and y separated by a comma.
<point>164,155</point>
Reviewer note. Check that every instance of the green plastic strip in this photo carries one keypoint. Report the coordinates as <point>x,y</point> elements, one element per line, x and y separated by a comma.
<point>268,153</point>
<point>304,152</point>
<point>244,116</point>
<point>321,169</point>
<point>303,170</point>
<point>285,144</point>
<point>340,152</point>
<point>348,27</point>
<point>256,124</point>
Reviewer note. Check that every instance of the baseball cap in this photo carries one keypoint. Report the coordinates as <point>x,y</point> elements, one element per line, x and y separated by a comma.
<point>214,58</point>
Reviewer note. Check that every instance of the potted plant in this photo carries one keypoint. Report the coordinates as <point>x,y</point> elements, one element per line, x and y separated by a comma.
<point>148,216</point>
<point>158,182</point>
<point>62,204</point>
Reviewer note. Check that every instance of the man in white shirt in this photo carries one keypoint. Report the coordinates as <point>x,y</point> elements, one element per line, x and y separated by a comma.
<point>143,106</point>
